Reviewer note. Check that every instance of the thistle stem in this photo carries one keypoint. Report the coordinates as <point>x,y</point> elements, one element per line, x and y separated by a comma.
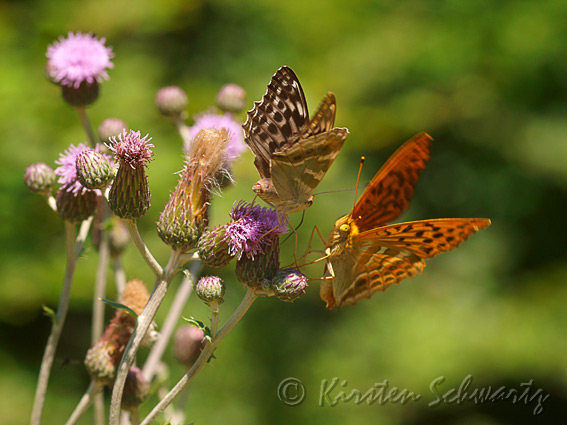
<point>249,298</point>
<point>179,301</point>
<point>86,123</point>
<point>119,276</point>
<point>87,399</point>
<point>57,325</point>
<point>144,322</point>
<point>138,241</point>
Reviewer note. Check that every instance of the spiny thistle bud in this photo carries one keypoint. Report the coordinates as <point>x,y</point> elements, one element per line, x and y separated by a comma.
<point>171,101</point>
<point>210,289</point>
<point>289,284</point>
<point>40,178</point>
<point>188,343</point>
<point>231,98</point>
<point>214,249</point>
<point>111,127</point>
<point>136,389</point>
<point>257,273</point>
<point>184,217</point>
<point>103,358</point>
<point>75,207</point>
<point>84,95</point>
<point>94,171</point>
<point>130,194</point>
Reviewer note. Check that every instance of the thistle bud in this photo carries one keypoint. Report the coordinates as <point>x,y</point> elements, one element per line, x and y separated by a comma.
<point>257,272</point>
<point>214,248</point>
<point>111,127</point>
<point>94,171</point>
<point>171,101</point>
<point>136,389</point>
<point>130,194</point>
<point>184,217</point>
<point>40,178</point>
<point>231,98</point>
<point>210,289</point>
<point>75,207</point>
<point>188,343</point>
<point>84,95</point>
<point>289,284</point>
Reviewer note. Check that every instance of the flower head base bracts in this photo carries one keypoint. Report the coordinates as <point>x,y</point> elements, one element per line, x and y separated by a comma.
<point>214,247</point>
<point>235,145</point>
<point>184,217</point>
<point>103,358</point>
<point>231,98</point>
<point>136,389</point>
<point>129,196</point>
<point>79,58</point>
<point>189,341</point>
<point>75,203</point>
<point>94,170</point>
<point>210,289</point>
<point>171,101</point>
<point>289,284</point>
<point>40,178</point>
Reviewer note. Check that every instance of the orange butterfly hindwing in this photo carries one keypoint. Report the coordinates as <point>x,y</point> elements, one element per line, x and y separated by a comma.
<point>365,255</point>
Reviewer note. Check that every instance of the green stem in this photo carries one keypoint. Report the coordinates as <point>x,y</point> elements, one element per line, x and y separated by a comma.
<point>86,123</point>
<point>144,322</point>
<point>249,298</point>
<point>56,327</point>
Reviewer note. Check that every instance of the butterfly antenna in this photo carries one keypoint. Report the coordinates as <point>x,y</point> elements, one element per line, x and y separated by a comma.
<point>362,158</point>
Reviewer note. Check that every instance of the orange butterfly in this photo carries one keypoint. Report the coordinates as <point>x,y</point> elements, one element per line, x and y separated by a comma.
<point>292,153</point>
<point>364,255</point>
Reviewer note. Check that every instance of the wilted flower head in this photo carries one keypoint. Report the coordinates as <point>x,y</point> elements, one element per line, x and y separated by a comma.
<point>78,58</point>
<point>184,217</point>
<point>253,229</point>
<point>235,145</point>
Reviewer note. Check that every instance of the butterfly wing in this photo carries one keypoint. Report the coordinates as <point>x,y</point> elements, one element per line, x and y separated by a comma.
<point>276,122</point>
<point>324,118</point>
<point>298,170</point>
<point>389,192</point>
<point>379,258</point>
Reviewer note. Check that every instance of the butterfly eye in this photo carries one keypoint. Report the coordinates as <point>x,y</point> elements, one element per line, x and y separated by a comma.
<point>345,228</point>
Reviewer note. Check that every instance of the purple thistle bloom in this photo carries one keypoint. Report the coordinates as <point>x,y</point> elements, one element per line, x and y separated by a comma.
<point>77,58</point>
<point>67,170</point>
<point>235,145</point>
<point>132,149</point>
<point>253,229</point>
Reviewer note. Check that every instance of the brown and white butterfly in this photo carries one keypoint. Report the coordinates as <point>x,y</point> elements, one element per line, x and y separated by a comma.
<point>365,255</point>
<point>292,153</point>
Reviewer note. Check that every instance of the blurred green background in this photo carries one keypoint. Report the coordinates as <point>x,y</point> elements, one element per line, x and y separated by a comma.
<point>486,79</point>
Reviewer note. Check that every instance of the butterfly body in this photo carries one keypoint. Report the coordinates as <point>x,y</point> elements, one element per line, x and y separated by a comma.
<point>292,153</point>
<point>365,255</point>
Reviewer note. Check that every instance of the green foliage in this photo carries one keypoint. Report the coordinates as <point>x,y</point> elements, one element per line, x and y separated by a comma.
<point>486,79</point>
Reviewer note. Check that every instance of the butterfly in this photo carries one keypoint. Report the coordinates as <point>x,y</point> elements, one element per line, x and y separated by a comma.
<point>292,153</point>
<point>364,255</point>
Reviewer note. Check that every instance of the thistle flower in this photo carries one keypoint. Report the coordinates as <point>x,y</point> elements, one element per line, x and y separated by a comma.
<point>111,127</point>
<point>79,58</point>
<point>253,229</point>
<point>254,239</point>
<point>184,217</point>
<point>210,289</point>
<point>171,101</point>
<point>74,202</point>
<point>231,98</point>
<point>94,170</point>
<point>129,195</point>
<point>289,284</point>
<point>103,358</point>
<point>213,247</point>
<point>235,145</point>
<point>188,343</point>
<point>40,178</point>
